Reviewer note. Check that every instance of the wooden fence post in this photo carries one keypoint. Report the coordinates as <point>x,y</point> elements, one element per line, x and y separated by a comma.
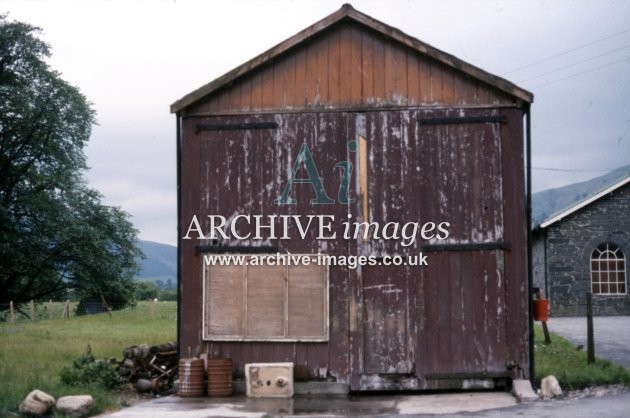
<point>66,310</point>
<point>31,310</point>
<point>50,309</point>
<point>106,306</point>
<point>11,312</point>
<point>590,341</point>
<point>546,332</point>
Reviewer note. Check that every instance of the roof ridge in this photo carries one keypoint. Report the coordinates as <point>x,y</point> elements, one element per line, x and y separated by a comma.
<point>348,12</point>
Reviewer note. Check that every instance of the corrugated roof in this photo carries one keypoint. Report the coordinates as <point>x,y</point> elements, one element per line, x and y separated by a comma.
<point>347,12</point>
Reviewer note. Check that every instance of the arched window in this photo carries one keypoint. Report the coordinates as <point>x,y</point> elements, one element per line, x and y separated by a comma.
<point>608,270</point>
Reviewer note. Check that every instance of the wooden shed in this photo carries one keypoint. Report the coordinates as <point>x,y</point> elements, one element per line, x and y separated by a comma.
<point>358,147</point>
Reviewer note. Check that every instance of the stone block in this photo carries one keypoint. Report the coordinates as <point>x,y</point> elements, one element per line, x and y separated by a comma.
<point>550,387</point>
<point>37,403</point>
<point>522,390</point>
<point>75,406</point>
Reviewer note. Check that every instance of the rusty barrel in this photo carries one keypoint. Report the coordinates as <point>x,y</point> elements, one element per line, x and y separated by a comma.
<point>191,377</point>
<point>220,377</point>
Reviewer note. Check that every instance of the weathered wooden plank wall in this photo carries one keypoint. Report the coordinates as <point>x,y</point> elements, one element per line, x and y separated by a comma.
<point>463,315</point>
<point>349,67</point>
<point>449,317</point>
<point>243,172</point>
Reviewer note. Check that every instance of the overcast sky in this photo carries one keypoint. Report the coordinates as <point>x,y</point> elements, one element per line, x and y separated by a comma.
<point>132,59</point>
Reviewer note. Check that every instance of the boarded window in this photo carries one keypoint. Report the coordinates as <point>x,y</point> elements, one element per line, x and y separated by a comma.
<point>266,301</point>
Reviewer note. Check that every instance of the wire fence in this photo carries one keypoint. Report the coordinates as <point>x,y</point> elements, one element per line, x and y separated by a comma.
<point>42,310</point>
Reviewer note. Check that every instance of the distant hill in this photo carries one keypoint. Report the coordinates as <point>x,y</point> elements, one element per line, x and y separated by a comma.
<point>552,201</point>
<point>160,262</point>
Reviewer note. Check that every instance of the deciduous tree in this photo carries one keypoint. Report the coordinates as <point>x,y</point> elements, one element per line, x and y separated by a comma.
<point>55,234</point>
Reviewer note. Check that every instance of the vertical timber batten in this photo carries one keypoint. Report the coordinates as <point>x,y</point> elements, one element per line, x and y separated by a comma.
<point>530,274</point>
<point>178,145</point>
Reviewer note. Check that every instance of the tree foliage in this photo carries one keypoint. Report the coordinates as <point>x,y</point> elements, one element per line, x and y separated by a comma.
<point>146,290</point>
<point>55,234</point>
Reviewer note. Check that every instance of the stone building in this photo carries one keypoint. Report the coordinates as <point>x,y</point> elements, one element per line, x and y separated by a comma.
<point>584,248</point>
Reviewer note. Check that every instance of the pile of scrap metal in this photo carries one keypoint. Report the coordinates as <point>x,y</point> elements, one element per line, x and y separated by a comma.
<point>150,369</point>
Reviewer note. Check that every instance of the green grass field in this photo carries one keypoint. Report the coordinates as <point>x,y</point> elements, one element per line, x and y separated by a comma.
<point>33,353</point>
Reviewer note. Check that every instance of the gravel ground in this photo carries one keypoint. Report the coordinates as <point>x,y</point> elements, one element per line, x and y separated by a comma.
<point>596,391</point>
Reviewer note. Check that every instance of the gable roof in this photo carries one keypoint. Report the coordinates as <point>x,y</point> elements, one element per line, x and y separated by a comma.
<point>587,201</point>
<point>348,13</point>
